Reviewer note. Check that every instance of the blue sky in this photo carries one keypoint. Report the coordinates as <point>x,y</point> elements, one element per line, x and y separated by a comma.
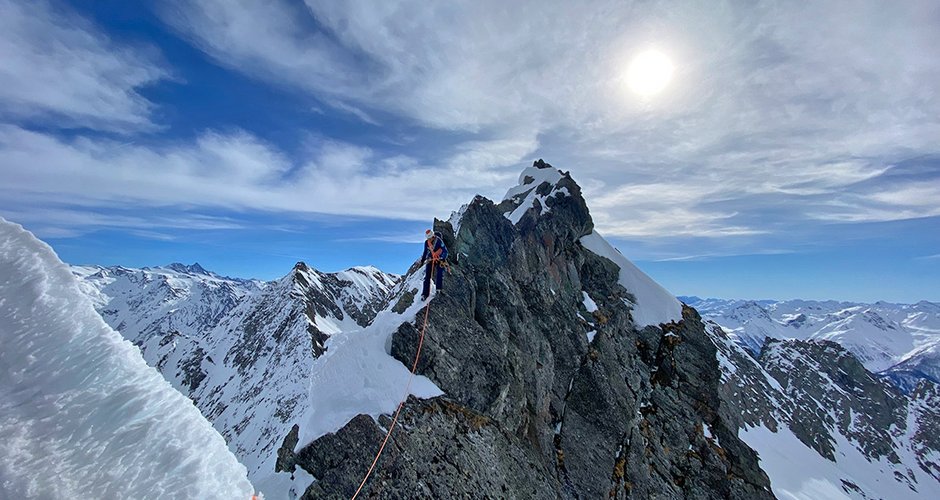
<point>794,153</point>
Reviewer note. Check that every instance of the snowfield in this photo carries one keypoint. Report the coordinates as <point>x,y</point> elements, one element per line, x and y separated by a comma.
<point>357,374</point>
<point>81,413</point>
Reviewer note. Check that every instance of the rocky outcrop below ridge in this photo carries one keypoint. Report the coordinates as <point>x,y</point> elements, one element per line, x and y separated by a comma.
<point>900,342</point>
<point>551,388</point>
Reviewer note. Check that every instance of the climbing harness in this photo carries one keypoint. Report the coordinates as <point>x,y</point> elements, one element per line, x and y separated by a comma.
<point>427,309</point>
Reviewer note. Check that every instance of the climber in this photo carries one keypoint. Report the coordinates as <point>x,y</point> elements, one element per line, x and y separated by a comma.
<point>435,252</point>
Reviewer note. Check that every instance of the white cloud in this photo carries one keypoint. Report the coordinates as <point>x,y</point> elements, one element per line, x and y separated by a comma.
<point>404,237</point>
<point>59,68</point>
<point>235,171</point>
<point>911,200</point>
<point>352,110</point>
<point>918,195</point>
<point>775,108</point>
<point>777,114</point>
<point>71,221</point>
<point>718,255</point>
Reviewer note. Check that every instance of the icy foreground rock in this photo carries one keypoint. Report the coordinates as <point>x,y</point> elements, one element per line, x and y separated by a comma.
<point>81,414</point>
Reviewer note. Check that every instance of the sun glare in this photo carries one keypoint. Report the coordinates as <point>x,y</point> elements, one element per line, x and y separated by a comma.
<point>649,73</point>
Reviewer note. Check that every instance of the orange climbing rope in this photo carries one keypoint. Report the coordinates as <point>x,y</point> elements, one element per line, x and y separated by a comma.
<point>427,309</point>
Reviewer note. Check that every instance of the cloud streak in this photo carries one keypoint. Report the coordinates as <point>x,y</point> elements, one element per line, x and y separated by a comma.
<point>779,116</point>
<point>787,109</point>
<point>58,68</point>
<point>236,171</point>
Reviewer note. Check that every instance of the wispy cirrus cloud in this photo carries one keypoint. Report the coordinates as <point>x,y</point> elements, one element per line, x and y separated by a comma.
<point>780,111</point>
<point>235,171</point>
<point>59,69</point>
<point>779,116</point>
<point>718,255</point>
<point>67,220</point>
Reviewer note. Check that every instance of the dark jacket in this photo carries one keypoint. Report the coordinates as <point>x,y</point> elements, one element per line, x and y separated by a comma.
<point>434,248</point>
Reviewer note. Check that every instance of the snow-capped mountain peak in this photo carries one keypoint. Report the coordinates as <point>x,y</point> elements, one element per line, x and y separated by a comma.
<point>195,268</point>
<point>537,188</point>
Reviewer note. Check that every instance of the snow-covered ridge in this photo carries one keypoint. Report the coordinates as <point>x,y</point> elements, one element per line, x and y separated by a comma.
<point>654,304</point>
<point>81,414</point>
<point>142,303</point>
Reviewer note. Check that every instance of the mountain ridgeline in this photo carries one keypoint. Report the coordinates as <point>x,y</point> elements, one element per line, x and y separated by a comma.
<point>241,350</point>
<point>551,367</point>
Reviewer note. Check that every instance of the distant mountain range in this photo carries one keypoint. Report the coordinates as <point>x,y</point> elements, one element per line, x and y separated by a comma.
<point>897,341</point>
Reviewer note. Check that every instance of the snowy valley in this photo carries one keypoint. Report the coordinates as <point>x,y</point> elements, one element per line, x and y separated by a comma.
<point>898,341</point>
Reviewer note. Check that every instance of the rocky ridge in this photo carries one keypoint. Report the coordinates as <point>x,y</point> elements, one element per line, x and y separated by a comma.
<point>867,437</point>
<point>533,408</point>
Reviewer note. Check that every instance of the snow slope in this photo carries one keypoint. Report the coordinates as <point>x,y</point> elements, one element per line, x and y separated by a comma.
<point>81,414</point>
<point>357,374</point>
<point>654,304</point>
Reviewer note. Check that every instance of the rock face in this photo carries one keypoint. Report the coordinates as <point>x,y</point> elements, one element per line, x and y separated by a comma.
<point>533,408</point>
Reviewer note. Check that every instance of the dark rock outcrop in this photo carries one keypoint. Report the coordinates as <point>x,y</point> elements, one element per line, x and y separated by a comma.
<point>861,406</point>
<point>533,409</point>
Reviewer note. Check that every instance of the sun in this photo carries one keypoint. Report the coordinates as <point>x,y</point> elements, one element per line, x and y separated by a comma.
<point>649,73</point>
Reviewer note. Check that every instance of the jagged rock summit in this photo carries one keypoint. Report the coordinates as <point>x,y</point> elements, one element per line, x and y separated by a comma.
<point>552,386</point>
